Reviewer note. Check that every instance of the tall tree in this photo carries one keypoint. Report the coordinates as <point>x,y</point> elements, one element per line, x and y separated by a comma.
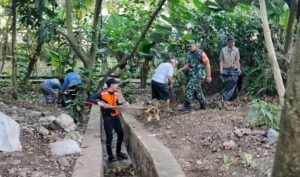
<point>287,157</point>
<point>40,5</point>
<point>87,58</point>
<point>137,43</point>
<point>14,59</point>
<point>291,28</point>
<point>5,45</point>
<point>271,52</point>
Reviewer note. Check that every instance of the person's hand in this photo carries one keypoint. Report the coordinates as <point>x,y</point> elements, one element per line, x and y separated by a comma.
<point>208,79</point>
<point>100,103</point>
<point>221,71</point>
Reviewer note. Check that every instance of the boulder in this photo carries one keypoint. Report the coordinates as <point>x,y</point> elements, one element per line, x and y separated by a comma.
<point>9,134</point>
<point>77,136</point>
<point>43,131</point>
<point>66,122</point>
<point>33,114</point>
<point>272,136</point>
<point>46,121</point>
<point>65,147</point>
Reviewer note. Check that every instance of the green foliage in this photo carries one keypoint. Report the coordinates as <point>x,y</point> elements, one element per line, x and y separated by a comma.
<point>263,114</point>
<point>76,108</point>
<point>226,163</point>
<point>128,90</point>
<point>259,79</point>
<point>247,160</point>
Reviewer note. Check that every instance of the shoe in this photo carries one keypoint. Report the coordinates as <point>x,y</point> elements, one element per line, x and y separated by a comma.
<point>202,105</point>
<point>186,107</point>
<point>112,158</point>
<point>122,156</point>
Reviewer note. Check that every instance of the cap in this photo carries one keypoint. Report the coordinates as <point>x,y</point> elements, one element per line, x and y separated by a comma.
<point>174,61</point>
<point>190,42</point>
<point>231,39</point>
<point>111,81</point>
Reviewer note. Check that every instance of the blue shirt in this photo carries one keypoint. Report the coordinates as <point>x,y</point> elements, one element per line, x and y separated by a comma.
<point>71,79</point>
<point>53,84</point>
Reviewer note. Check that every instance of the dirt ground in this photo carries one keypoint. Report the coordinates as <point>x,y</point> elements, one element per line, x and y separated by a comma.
<point>216,142</point>
<point>35,159</point>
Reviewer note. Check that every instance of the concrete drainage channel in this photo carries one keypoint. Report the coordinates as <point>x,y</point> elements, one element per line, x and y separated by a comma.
<point>149,156</point>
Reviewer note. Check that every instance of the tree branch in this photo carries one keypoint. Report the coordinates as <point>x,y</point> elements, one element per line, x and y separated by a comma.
<point>95,32</point>
<point>76,47</point>
<point>290,28</point>
<point>137,43</point>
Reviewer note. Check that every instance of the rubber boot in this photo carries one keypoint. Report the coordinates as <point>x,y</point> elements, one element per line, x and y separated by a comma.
<point>202,104</point>
<point>187,107</point>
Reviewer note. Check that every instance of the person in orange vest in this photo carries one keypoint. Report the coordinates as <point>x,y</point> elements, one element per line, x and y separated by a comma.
<point>108,99</point>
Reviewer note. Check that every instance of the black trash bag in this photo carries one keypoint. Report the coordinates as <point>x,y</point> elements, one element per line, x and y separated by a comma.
<point>230,78</point>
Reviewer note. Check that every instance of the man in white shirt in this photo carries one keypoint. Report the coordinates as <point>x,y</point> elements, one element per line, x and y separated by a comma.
<point>163,75</point>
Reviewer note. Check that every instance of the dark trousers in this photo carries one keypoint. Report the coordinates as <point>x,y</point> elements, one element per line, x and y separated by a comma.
<point>111,123</point>
<point>49,94</point>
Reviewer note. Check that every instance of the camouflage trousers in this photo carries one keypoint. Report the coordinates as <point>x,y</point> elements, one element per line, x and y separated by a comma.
<point>194,88</point>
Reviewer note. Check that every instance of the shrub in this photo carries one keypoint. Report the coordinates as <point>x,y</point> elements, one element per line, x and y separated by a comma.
<point>263,114</point>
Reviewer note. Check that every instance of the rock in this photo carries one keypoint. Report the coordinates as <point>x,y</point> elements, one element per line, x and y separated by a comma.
<point>37,174</point>
<point>43,131</point>
<point>229,144</point>
<point>46,121</point>
<point>28,130</point>
<point>10,133</point>
<point>64,162</point>
<point>12,172</point>
<point>258,132</point>
<point>77,136</point>
<point>16,162</point>
<point>33,114</point>
<point>14,110</point>
<point>66,122</point>
<point>21,112</point>
<point>199,162</point>
<point>65,147</point>
<point>239,132</point>
<point>272,136</point>
<point>17,118</point>
<point>61,175</point>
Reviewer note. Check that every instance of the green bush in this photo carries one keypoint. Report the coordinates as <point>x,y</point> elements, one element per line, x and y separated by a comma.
<point>259,80</point>
<point>263,114</point>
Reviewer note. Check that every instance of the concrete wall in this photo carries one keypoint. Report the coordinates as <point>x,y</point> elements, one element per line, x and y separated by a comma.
<point>90,164</point>
<point>151,158</point>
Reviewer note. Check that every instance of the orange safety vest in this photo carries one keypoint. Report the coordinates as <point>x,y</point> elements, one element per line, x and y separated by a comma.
<point>111,99</point>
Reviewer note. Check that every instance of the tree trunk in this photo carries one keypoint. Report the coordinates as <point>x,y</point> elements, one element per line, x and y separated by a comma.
<point>5,39</point>
<point>137,43</point>
<point>94,45</point>
<point>87,59</point>
<point>290,29</point>
<point>271,52</point>
<point>33,61</point>
<point>14,60</point>
<point>144,75</point>
<point>40,41</point>
<point>287,156</point>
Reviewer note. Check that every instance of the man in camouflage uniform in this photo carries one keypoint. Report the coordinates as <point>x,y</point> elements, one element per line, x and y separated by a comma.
<point>197,63</point>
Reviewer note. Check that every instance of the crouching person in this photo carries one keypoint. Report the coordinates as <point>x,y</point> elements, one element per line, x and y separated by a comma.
<point>108,100</point>
<point>50,89</point>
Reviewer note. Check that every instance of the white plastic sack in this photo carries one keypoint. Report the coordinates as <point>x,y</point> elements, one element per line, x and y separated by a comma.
<point>65,147</point>
<point>9,134</point>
